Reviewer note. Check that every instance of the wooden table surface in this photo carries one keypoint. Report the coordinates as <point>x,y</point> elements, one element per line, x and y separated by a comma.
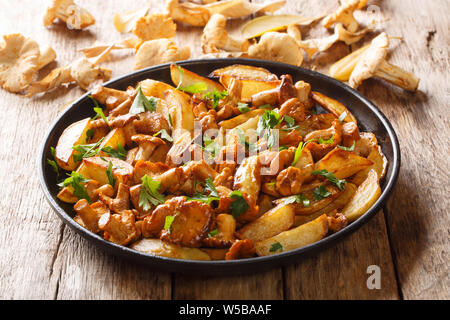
<point>41,258</point>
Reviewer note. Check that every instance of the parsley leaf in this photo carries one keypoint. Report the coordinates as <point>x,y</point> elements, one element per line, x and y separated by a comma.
<point>142,104</point>
<point>340,183</point>
<point>269,120</point>
<point>195,88</point>
<point>321,193</point>
<point>168,222</point>
<point>209,186</point>
<point>150,193</point>
<point>215,96</point>
<point>208,199</point>
<point>119,152</point>
<point>86,150</point>
<point>110,175</point>
<point>53,163</point>
<point>210,145</point>
<point>352,148</point>
<point>99,112</point>
<point>275,247</point>
<point>329,141</point>
<point>243,107</point>
<point>164,135</point>
<point>298,151</point>
<point>289,121</point>
<point>89,134</point>
<point>239,205</point>
<point>248,145</point>
<point>297,199</point>
<point>265,106</point>
<point>213,233</point>
<point>75,180</point>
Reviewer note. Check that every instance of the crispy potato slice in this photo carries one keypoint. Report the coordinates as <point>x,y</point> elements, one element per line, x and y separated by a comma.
<point>160,248</point>
<point>73,135</point>
<point>240,119</point>
<point>333,106</point>
<point>366,195</point>
<point>191,224</point>
<point>187,78</point>
<point>250,87</point>
<point>379,165</point>
<point>95,168</point>
<point>264,203</point>
<point>295,238</point>
<point>342,163</point>
<point>181,113</point>
<point>248,177</point>
<point>153,88</point>
<point>113,139</point>
<point>244,72</point>
<point>273,222</point>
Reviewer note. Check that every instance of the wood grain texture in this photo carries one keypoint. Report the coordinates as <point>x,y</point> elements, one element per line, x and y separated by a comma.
<point>43,259</point>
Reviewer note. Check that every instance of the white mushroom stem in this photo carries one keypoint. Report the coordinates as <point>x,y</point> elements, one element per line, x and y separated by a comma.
<point>397,76</point>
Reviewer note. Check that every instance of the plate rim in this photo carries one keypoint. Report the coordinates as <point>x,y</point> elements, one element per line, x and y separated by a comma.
<point>280,258</point>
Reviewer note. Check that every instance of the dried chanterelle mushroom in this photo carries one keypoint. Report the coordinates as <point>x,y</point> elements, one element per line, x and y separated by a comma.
<point>66,10</point>
<point>372,63</point>
<point>81,71</point>
<point>159,51</point>
<point>155,26</point>
<point>216,38</point>
<point>20,59</point>
<point>277,46</point>
<point>344,15</point>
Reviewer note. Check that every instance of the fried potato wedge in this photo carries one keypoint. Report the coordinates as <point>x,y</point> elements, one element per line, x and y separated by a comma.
<point>244,72</point>
<point>160,248</point>
<point>379,165</point>
<point>181,113</point>
<point>273,222</point>
<point>240,119</point>
<point>250,87</point>
<point>191,223</point>
<point>342,163</point>
<point>95,168</point>
<point>154,88</point>
<point>113,139</point>
<point>333,106</point>
<point>248,177</point>
<point>73,135</point>
<point>295,238</point>
<point>187,78</point>
<point>366,195</point>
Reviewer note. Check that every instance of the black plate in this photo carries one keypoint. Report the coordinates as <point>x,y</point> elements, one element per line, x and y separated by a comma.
<point>369,118</point>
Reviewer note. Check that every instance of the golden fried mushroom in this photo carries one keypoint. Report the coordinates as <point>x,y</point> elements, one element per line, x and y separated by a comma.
<point>67,11</point>
<point>155,26</point>
<point>19,60</point>
<point>278,47</point>
<point>159,51</point>
<point>215,37</point>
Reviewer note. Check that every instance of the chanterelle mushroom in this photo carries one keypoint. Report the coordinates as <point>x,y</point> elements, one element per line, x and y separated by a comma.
<point>19,58</point>
<point>81,71</point>
<point>155,26</point>
<point>189,13</point>
<point>66,10</point>
<point>373,64</point>
<point>147,145</point>
<point>215,37</point>
<point>344,14</point>
<point>277,46</point>
<point>159,51</point>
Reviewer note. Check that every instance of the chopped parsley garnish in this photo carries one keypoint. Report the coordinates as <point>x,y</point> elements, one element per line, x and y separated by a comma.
<point>99,112</point>
<point>215,96</point>
<point>342,116</point>
<point>248,145</point>
<point>208,199</point>
<point>298,198</point>
<point>329,141</point>
<point>243,107</point>
<point>170,120</point>
<point>168,222</point>
<point>209,186</point>
<point>119,152</point>
<point>299,150</point>
<point>352,148</point>
<point>53,163</point>
<point>150,193</point>
<point>265,106</point>
<point>210,145</point>
<point>164,135</point>
<point>269,120</point>
<point>281,148</point>
<point>321,193</point>
<point>289,121</point>
<point>340,183</point>
<point>276,247</point>
<point>142,104</point>
<point>198,87</point>
<point>75,180</point>
<point>213,233</point>
<point>110,175</point>
<point>239,205</point>
<point>86,150</point>
<point>89,134</point>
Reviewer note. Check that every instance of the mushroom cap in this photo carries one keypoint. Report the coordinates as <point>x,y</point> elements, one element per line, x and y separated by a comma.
<point>344,14</point>
<point>370,60</point>
<point>67,11</point>
<point>277,46</point>
<point>155,26</point>
<point>18,62</point>
<point>85,73</point>
<point>159,51</point>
